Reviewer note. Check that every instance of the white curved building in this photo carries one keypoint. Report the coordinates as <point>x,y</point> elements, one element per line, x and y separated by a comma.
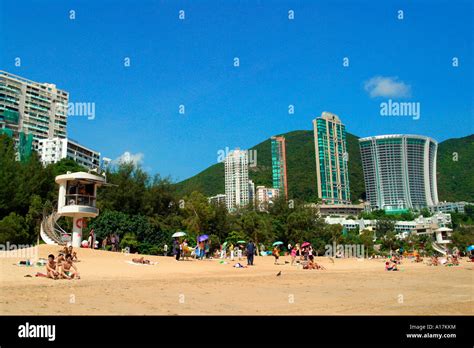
<point>399,171</point>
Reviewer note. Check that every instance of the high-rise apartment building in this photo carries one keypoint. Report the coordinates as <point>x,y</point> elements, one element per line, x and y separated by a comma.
<point>236,179</point>
<point>55,149</point>
<point>279,165</point>
<point>399,171</point>
<point>30,111</point>
<point>331,159</point>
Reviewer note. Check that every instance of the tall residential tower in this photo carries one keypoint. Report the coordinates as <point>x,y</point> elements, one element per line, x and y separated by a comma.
<point>399,171</point>
<point>279,165</point>
<point>30,111</point>
<point>331,159</point>
<point>236,179</point>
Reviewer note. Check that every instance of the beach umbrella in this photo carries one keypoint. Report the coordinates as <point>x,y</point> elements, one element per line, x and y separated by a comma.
<point>203,238</point>
<point>471,247</point>
<point>224,245</point>
<point>305,244</point>
<point>241,241</point>
<point>178,234</point>
<point>277,243</point>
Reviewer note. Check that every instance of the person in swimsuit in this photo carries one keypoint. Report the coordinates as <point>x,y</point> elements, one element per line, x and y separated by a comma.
<point>51,268</point>
<point>141,260</point>
<point>68,269</point>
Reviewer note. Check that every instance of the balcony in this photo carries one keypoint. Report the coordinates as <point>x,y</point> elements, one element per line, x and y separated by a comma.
<point>79,204</point>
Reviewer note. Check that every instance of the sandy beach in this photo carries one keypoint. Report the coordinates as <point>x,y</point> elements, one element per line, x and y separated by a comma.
<point>110,285</point>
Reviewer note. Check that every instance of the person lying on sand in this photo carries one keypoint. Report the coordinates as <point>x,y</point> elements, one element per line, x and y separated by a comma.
<point>68,269</point>
<point>51,268</point>
<point>393,267</point>
<point>142,261</point>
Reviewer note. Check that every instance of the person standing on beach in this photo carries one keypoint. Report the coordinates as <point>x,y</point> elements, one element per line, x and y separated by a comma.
<point>276,254</point>
<point>176,248</point>
<point>239,252</point>
<point>165,249</point>
<point>231,248</point>
<point>293,256</point>
<point>250,252</point>
<point>112,241</point>
<point>91,239</point>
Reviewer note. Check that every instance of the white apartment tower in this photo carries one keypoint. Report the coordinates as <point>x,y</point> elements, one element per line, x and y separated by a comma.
<point>37,110</point>
<point>236,179</point>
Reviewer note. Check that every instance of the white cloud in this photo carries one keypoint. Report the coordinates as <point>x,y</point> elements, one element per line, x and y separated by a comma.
<point>128,157</point>
<point>380,86</point>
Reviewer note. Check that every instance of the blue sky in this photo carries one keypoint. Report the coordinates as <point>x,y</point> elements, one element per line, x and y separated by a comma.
<point>282,62</point>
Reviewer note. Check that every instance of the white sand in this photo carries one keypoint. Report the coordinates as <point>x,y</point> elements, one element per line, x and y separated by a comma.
<point>110,285</point>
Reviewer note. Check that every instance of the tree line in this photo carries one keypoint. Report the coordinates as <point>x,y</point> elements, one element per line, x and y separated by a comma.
<point>144,211</point>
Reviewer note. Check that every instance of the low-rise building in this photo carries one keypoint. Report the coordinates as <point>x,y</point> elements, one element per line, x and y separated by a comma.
<point>217,199</point>
<point>450,207</point>
<point>55,149</point>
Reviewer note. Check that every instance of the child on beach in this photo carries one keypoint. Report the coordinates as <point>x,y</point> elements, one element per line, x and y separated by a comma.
<point>68,269</point>
<point>51,268</point>
<point>293,256</point>
<point>276,254</point>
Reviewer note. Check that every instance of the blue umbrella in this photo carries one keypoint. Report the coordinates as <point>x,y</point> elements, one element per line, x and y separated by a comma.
<point>277,243</point>
<point>471,247</point>
<point>203,238</point>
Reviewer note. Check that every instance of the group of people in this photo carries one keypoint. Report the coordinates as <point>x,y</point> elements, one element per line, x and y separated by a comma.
<point>63,266</point>
<point>113,240</point>
<point>181,250</point>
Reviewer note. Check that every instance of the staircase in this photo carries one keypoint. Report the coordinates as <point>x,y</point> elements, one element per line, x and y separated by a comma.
<point>439,248</point>
<point>50,231</point>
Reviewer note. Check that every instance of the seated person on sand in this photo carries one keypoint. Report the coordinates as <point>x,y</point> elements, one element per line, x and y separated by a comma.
<point>60,259</point>
<point>418,258</point>
<point>310,264</point>
<point>68,269</point>
<point>393,267</point>
<point>71,252</point>
<point>434,261</point>
<point>141,260</point>
<point>51,268</point>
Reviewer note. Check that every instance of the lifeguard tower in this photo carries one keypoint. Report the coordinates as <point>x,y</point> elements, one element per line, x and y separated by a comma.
<point>77,199</point>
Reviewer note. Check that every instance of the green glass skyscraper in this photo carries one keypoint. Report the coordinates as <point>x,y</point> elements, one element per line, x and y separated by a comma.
<point>279,165</point>
<point>331,160</point>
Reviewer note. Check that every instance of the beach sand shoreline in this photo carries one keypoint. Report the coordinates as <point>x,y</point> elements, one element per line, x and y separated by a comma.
<point>110,285</point>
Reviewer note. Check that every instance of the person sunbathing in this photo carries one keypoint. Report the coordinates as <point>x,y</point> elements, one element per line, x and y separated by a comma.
<point>393,267</point>
<point>51,268</point>
<point>68,269</point>
<point>142,261</point>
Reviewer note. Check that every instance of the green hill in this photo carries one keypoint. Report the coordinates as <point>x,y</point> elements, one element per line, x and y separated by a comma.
<point>455,175</point>
<point>455,182</point>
